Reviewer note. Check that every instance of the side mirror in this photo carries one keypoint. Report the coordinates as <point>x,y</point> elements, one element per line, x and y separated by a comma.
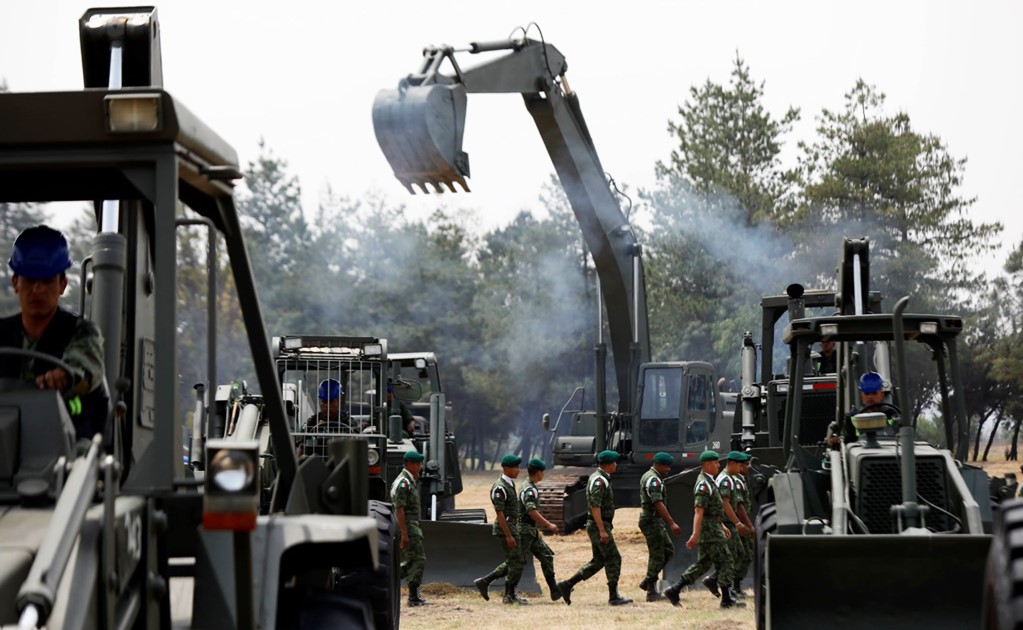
<point>546,422</point>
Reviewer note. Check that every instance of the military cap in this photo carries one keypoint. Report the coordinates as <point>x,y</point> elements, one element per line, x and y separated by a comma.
<point>709,456</point>
<point>537,464</point>
<point>664,458</point>
<point>510,461</point>
<point>736,456</point>
<point>413,457</point>
<point>607,457</point>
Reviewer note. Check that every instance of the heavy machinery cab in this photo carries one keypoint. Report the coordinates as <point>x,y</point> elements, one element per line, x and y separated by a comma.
<point>677,410</point>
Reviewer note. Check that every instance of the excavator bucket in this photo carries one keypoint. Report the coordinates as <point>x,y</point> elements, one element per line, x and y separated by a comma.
<point>876,581</point>
<point>457,553</point>
<point>419,129</point>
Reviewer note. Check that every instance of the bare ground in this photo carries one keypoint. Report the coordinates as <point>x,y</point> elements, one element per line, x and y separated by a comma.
<point>453,607</point>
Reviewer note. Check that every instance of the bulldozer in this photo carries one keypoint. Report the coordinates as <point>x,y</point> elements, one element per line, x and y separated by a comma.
<point>116,531</point>
<point>857,530</point>
<point>662,406</point>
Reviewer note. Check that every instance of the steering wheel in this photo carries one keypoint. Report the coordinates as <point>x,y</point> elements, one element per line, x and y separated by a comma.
<point>17,384</point>
<point>890,410</point>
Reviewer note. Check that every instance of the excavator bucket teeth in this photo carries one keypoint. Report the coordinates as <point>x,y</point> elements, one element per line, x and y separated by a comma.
<point>419,129</point>
<point>877,581</point>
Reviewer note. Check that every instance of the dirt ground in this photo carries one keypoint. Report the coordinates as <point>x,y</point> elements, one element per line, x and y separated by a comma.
<point>452,607</point>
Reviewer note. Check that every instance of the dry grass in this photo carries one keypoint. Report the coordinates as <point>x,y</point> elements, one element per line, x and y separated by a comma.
<point>452,607</point>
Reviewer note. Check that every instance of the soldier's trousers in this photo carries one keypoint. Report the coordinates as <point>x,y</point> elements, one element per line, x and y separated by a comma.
<point>658,544</point>
<point>710,553</point>
<point>742,566</point>
<point>533,543</point>
<point>738,548</point>
<point>413,561</point>
<point>511,568</point>
<point>605,555</point>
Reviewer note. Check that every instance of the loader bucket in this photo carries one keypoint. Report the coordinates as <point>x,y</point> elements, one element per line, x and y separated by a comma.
<point>419,129</point>
<point>457,553</point>
<point>876,581</point>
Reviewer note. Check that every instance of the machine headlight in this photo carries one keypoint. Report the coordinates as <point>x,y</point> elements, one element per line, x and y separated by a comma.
<point>133,113</point>
<point>373,457</point>
<point>231,492</point>
<point>829,330</point>
<point>928,328</point>
<point>373,349</point>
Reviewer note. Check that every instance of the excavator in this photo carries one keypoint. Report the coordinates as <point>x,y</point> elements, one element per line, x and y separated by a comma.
<point>114,531</point>
<point>662,406</point>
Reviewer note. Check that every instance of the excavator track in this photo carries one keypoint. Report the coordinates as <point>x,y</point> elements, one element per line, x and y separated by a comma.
<point>554,491</point>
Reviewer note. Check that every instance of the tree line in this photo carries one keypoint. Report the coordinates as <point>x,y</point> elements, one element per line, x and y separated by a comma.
<point>512,312</point>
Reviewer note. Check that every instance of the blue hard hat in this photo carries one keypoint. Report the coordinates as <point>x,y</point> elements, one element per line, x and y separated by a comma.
<point>39,253</point>
<point>330,389</point>
<point>871,383</point>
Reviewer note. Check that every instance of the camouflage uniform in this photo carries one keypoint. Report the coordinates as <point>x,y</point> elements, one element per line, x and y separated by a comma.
<point>713,550</point>
<point>405,493</point>
<point>79,343</point>
<point>658,540</point>
<point>531,540</point>
<point>729,488</point>
<point>742,563</point>
<point>605,555</point>
<point>502,497</point>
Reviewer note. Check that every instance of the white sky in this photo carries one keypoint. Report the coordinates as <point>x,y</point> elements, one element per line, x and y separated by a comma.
<point>303,76</point>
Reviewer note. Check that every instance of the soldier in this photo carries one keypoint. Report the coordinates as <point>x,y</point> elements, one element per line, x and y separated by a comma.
<point>405,498</point>
<point>506,527</point>
<point>709,533</point>
<point>654,522</point>
<point>745,507</point>
<point>529,534</point>
<point>600,498</point>
<point>736,520</point>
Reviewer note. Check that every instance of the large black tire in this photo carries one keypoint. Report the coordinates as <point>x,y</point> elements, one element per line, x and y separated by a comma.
<point>1003,581</point>
<point>381,588</point>
<point>766,524</point>
<point>302,610</point>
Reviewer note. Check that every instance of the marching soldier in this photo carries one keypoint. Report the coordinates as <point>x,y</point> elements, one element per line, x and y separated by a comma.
<point>709,534</point>
<point>730,487</point>
<point>654,522</point>
<point>405,498</point>
<point>600,498</point>
<point>506,527</point>
<point>745,507</point>
<point>529,533</point>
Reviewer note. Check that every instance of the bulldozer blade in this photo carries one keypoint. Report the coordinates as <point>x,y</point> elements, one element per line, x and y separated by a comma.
<point>419,129</point>
<point>876,581</point>
<point>457,553</point>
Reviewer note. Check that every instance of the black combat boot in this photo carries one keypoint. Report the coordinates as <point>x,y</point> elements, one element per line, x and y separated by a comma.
<point>511,597</point>
<point>737,589</point>
<point>647,584</point>
<point>726,598</point>
<point>552,586</point>
<point>614,598</point>
<point>483,584</point>
<point>515,595</point>
<point>414,598</point>
<point>566,588</point>
<point>711,582</point>
<point>674,593</point>
<point>652,595</point>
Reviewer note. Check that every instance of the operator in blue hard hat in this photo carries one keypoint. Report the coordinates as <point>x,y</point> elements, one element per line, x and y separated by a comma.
<point>872,395</point>
<point>332,418</point>
<point>39,261</point>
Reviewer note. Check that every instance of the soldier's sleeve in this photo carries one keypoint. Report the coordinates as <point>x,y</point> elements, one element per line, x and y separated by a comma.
<point>400,494</point>
<point>530,500</point>
<point>702,493</point>
<point>655,489</point>
<point>725,487</point>
<point>85,353</point>
<point>498,497</point>
<point>595,493</point>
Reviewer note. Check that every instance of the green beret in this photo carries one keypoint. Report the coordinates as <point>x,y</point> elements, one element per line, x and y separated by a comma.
<point>709,456</point>
<point>510,461</point>
<point>607,457</point>
<point>736,456</point>
<point>664,458</point>
<point>537,464</point>
<point>413,456</point>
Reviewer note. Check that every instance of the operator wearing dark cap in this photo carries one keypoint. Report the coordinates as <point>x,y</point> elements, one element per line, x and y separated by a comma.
<point>506,527</point>
<point>529,532</point>
<point>405,499</point>
<point>655,521</point>
<point>709,534</point>
<point>600,498</point>
<point>39,261</point>
<point>872,396</point>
